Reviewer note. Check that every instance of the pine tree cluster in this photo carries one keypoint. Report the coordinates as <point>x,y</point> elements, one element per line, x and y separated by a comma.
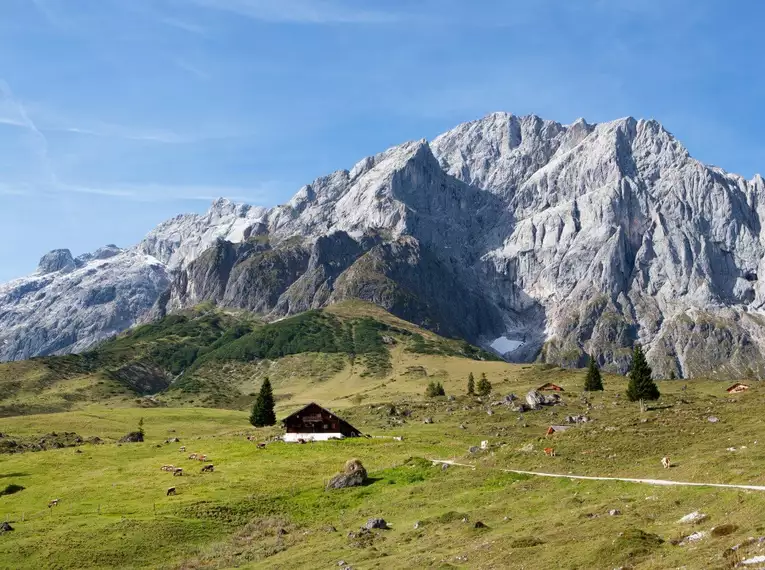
<point>435,389</point>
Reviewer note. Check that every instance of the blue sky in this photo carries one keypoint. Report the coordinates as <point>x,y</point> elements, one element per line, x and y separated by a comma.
<point>117,114</point>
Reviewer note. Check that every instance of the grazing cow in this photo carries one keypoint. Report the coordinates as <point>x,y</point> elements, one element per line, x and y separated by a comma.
<point>53,503</point>
<point>202,458</point>
<point>398,438</point>
<point>549,451</point>
<point>301,440</point>
<point>177,472</point>
<point>170,491</point>
<point>167,468</point>
<point>665,462</point>
<point>208,468</point>
<point>193,456</point>
<point>261,446</point>
<point>485,444</point>
<point>183,448</point>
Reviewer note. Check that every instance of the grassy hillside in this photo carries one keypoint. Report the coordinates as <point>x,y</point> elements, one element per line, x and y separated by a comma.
<point>206,357</point>
<point>268,508</point>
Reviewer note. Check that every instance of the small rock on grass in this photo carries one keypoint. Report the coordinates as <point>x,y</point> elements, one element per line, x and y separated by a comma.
<point>5,527</point>
<point>723,530</point>
<point>694,518</point>
<point>376,523</point>
<point>614,512</point>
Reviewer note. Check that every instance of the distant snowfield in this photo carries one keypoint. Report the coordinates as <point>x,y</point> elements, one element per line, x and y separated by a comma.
<point>504,345</point>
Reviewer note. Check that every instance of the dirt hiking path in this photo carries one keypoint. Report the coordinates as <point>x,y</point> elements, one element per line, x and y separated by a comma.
<point>663,482</point>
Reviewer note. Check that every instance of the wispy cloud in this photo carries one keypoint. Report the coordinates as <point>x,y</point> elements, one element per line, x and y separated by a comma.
<point>14,113</point>
<point>191,69</point>
<point>174,192</point>
<point>301,11</point>
<point>184,25</point>
<point>107,130</point>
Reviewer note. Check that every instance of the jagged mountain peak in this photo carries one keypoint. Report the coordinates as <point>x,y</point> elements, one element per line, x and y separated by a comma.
<point>565,240</point>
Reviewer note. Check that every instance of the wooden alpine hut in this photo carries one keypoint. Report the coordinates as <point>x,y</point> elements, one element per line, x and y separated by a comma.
<point>314,423</point>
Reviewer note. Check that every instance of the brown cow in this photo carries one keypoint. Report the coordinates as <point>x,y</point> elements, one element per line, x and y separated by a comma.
<point>666,463</point>
<point>208,468</point>
<point>170,491</point>
<point>549,451</point>
<point>202,458</point>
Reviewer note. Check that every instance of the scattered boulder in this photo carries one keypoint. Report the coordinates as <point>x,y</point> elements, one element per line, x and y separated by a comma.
<point>376,523</point>
<point>695,537</point>
<point>754,560</point>
<point>5,527</point>
<point>577,419</point>
<point>479,524</point>
<point>713,419</point>
<point>535,400</point>
<point>427,421</point>
<point>474,449</point>
<point>444,466</point>
<point>693,518</point>
<point>723,530</point>
<point>462,426</point>
<point>519,407</point>
<point>417,525</point>
<point>614,512</point>
<point>354,475</point>
<point>132,437</point>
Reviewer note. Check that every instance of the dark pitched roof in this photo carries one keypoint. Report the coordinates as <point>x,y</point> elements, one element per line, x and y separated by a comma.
<point>298,413</point>
<point>550,386</point>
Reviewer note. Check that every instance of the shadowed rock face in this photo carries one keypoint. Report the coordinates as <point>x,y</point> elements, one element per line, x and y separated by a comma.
<point>568,240</point>
<point>56,260</point>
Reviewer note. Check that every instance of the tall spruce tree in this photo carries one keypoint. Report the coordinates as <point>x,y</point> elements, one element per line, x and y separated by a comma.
<point>484,386</point>
<point>263,409</point>
<point>593,382</point>
<point>471,385</point>
<point>641,386</point>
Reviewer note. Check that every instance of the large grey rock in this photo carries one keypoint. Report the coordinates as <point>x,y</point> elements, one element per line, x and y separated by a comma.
<point>354,475</point>
<point>535,400</point>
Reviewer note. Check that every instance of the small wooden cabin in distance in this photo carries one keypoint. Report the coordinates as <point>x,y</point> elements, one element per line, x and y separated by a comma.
<point>314,423</point>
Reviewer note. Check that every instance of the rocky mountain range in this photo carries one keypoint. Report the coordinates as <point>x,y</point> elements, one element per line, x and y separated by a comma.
<point>541,240</point>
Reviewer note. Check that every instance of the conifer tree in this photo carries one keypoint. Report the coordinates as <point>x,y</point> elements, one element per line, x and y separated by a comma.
<point>641,386</point>
<point>471,385</point>
<point>484,386</point>
<point>263,410</point>
<point>593,382</point>
<point>435,389</point>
